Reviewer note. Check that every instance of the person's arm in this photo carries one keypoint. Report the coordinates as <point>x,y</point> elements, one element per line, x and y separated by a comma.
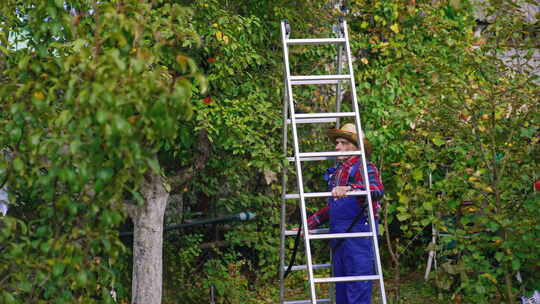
<point>320,217</point>
<point>375,184</point>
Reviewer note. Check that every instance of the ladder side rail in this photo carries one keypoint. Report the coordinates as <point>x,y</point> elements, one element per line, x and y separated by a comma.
<point>339,96</point>
<point>283,199</point>
<point>363,156</point>
<point>298,165</point>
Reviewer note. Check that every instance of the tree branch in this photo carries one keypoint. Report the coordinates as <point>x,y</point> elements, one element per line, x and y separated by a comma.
<point>203,151</point>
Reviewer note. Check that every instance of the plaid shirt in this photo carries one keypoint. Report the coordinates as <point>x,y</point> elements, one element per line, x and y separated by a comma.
<point>341,177</point>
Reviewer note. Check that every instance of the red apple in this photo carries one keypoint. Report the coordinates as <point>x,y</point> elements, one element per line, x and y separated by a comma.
<point>207,100</point>
<point>537,185</point>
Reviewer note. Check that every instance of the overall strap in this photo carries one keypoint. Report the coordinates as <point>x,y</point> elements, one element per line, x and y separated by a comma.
<point>360,214</point>
<point>352,171</point>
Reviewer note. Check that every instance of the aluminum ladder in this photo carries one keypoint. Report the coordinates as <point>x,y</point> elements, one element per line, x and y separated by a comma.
<point>292,119</point>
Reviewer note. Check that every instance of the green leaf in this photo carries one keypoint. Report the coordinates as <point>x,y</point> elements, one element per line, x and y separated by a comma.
<point>72,208</point>
<point>58,269</point>
<point>18,165</point>
<point>16,108</point>
<point>26,286</point>
<point>138,197</point>
<point>516,264</point>
<point>154,164</point>
<point>82,278</point>
<point>35,138</point>
<point>480,289</point>
<point>528,132</point>
<point>23,62</point>
<point>105,173</point>
<point>64,117</point>
<point>403,216</point>
<point>417,174</point>
<point>122,125</point>
<point>15,134</point>
<point>101,116</point>
<point>186,137</point>
<point>8,297</point>
<point>45,247</point>
<point>403,198</point>
<point>437,141</point>
<point>74,146</point>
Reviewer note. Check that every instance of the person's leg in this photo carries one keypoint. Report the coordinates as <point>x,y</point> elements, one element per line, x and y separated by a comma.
<point>358,261</point>
<point>339,271</point>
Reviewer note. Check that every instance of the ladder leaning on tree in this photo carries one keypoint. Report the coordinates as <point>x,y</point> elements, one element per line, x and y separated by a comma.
<point>291,118</point>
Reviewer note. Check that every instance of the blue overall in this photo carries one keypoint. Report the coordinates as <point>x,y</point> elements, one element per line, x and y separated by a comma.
<point>353,256</point>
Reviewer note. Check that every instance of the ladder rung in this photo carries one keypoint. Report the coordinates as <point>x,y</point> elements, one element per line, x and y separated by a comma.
<point>340,235</point>
<point>318,79</point>
<point>313,120</point>
<point>311,231</point>
<point>304,267</point>
<point>301,82</point>
<point>324,194</point>
<point>311,158</point>
<point>321,77</point>
<point>329,154</point>
<point>325,115</point>
<point>306,301</point>
<point>347,279</point>
<point>314,41</point>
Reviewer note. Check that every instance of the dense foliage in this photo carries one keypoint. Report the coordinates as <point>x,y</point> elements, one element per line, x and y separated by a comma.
<point>98,90</point>
<point>90,92</point>
<point>458,131</point>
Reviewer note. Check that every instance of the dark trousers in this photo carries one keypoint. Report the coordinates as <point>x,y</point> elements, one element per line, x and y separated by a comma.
<point>354,257</point>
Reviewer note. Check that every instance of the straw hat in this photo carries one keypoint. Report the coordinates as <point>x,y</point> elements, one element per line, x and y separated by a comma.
<point>348,132</point>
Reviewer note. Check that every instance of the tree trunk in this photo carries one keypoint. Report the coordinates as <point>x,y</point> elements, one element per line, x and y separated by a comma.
<point>148,242</point>
<point>146,286</point>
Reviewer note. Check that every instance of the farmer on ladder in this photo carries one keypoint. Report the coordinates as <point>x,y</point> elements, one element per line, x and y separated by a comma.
<point>350,256</point>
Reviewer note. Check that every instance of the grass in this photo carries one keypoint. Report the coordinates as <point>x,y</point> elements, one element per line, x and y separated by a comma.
<point>412,290</point>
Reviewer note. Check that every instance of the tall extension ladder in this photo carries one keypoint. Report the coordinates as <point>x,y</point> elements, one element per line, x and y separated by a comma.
<point>290,117</point>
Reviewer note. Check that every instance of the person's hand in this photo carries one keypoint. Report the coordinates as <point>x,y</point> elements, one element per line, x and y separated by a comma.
<point>340,191</point>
